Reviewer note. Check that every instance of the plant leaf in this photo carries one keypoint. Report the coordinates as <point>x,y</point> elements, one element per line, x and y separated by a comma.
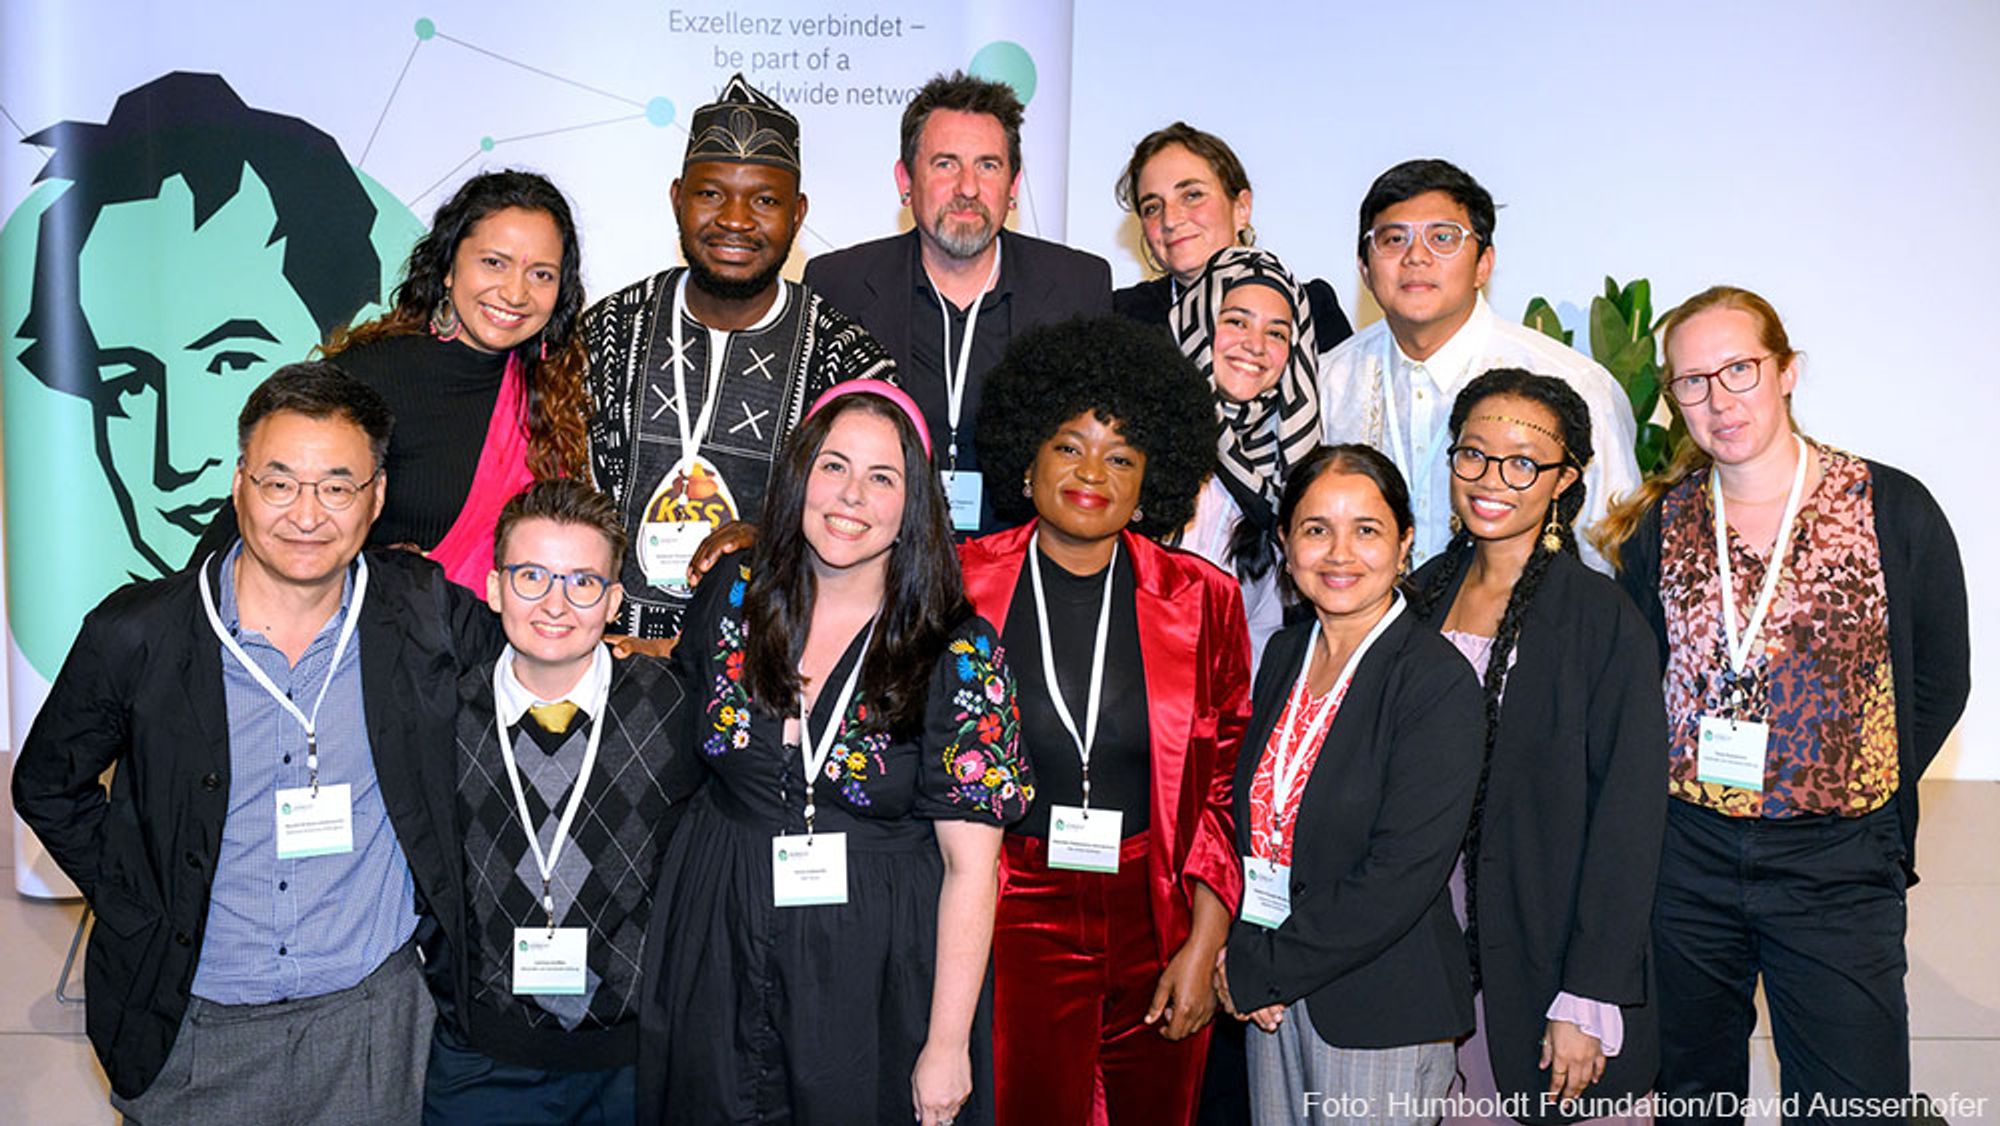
<point>1608,331</point>
<point>1541,316</point>
<point>1653,449</point>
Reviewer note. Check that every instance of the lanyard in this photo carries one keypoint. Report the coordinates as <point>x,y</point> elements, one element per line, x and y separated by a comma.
<point>955,379</point>
<point>1397,439</point>
<point>545,862</point>
<point>1738,647</point>
<point>309,722</point>
<point>813,752</point>
<point>1088,739</point>
<point>718,351</point>
<point>1292,753</point>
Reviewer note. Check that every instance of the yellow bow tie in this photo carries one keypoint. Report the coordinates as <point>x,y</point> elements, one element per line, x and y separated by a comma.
<point>553,718</point>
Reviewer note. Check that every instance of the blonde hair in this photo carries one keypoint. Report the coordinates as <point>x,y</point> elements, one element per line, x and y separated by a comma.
<point>1623,519</point>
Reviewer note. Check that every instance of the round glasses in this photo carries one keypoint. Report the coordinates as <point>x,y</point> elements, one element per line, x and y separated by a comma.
<point>531,582</point>
<point>1442,238</point>
<point>1517,472</point>
<point>1736,377</point>
<point>334,493</point>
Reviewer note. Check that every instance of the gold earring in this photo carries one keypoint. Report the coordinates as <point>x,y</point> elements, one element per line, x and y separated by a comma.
<point>1552,536</point>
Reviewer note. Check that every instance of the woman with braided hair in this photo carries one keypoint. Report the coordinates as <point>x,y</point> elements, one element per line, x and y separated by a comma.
<point>1566,824</point>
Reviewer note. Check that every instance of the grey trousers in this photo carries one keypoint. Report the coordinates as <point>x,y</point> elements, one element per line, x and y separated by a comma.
<point>1297,1077</point>
<point>354,1056</point>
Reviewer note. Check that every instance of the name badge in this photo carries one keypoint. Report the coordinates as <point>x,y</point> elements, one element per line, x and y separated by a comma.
<point>1085,843</point>
<point>963,489</point>
<point>551,963</point>
<point>809,871</point>
<point>311,825</point>
<point>1267,892</point>
<point>690,502</point>
<point>1730,752</point>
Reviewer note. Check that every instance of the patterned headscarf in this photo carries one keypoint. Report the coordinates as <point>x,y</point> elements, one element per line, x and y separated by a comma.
<point>744,126</point>
<point>1261,439</point>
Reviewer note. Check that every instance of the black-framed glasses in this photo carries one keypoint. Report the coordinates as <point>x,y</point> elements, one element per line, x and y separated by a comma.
<point>1736,377</point>
<point>1469,463</point>
<point>1442,238</point>
<point>281,490</point>
<point>531,581</point>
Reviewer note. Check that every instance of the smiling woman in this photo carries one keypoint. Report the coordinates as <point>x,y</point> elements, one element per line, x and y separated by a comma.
<point>480,360</point>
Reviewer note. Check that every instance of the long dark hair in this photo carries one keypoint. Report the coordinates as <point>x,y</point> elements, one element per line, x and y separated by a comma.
<point>1573,418</point>
<point>558,408</point>
<point>923,599</point>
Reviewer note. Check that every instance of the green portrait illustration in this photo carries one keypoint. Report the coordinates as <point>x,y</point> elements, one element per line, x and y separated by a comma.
<point>168,260</point>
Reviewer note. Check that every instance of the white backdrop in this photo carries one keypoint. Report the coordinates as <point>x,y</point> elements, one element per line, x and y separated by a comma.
<point>1837,156</point>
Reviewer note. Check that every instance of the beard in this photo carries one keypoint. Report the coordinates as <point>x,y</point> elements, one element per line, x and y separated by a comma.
<point>965,229</point>
<point>728,289</point>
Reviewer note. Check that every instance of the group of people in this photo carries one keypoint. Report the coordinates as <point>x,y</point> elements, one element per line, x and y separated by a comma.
<point>1322,718</point>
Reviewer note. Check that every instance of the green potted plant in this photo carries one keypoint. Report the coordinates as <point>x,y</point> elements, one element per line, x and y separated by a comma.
<point>1621,339</point>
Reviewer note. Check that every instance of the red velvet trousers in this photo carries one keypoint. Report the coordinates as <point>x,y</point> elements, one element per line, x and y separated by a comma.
<point>1075,963</point>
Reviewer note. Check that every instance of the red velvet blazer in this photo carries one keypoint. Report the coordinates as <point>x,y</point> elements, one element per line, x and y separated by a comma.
<point>1196,648</point>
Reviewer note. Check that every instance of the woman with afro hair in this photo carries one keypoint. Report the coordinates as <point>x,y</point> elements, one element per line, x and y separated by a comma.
<point>1566,823</point>
<point>1133,667</point>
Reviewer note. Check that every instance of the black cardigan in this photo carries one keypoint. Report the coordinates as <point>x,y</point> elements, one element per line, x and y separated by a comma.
<point>1576,806</point>
<point>1930,647</point>
<point>1371,944</point>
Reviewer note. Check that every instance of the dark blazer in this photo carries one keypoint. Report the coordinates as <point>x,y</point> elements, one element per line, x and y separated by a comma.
<point>142,689</point>
<point>1575,809</point>
<point>1152,302</point>
<point>1930,648</point>
<point>1196,651</point>
<point>872,283</point>
<point>1371,944</point>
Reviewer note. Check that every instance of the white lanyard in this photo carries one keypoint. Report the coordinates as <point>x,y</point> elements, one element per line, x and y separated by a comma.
<point>545,862</point>
<point>955,379</point>
<point>813,752</point>
<point>1088,739</point>
<point>1292,752</point>
<point>309,722</point>
<point>718,351</point>
<point>1738,647</point>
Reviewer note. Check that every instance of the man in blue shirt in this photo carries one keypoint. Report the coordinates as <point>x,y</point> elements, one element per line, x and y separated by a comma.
<point>271,840</point>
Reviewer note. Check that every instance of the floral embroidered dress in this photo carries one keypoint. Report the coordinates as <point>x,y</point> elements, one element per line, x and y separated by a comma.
<point>815,1014</point>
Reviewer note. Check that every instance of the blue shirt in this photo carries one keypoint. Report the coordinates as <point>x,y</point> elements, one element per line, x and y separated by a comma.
<point>280,929</point>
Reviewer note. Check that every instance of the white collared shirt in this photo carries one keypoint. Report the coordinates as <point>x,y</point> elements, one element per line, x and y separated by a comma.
<point>515,699</point>
<point>1353,409</point>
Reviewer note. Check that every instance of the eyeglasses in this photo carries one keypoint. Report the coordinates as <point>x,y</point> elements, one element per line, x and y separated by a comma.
<point>1517,472</point>
<point>1736,377</point>
<point>1442,238</point>
<point>335,493</point>
<point>531,581</point>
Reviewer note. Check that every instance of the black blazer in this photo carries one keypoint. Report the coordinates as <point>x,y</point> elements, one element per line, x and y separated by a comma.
<point>1152,302</point>
<point>1576,806</point>
<point>142,688</point>
<point>872,282</point>
<point>1371,944</point>
<point>1930,648</point>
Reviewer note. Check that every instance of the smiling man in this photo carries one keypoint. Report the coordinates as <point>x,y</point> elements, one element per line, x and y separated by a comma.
<point>697,375</point>
<point>1426,248</point>
<point>946,297</point>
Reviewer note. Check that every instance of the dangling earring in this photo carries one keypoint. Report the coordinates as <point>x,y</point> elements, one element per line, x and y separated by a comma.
<point>1028,484</point>
<point>1455,524</point>
<point>1552,536</point>
<point>444,319</point>
<point>545,349</point>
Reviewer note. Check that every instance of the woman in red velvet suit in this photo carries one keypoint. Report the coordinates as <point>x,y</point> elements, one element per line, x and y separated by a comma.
<point>1133,668</point>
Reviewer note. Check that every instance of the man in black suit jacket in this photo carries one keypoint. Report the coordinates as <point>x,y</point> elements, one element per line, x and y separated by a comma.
<point>947,296</point>
<point>260,864</point>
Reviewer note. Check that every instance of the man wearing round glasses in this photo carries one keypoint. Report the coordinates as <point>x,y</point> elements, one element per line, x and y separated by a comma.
<point>1426,250</point>
<point>271,835</point>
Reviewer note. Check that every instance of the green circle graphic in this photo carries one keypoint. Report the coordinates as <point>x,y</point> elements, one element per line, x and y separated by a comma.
<point>1009,62</point>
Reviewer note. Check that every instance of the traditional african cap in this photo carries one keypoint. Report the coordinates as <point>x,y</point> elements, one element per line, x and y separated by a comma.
<point>744,126</point>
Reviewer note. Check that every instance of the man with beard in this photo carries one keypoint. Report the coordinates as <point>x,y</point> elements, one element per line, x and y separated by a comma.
<point>697,375</point>
<point>946,297</point>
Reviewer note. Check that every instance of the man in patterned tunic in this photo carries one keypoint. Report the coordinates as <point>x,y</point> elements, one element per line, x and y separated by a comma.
<point>698,374</point>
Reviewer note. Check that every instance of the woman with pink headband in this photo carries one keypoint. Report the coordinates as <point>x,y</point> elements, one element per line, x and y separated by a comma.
<point>827,909</point>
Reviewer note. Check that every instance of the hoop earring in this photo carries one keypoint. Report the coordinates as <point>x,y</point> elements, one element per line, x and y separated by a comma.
<point>444,319</point>
<point>1138,515</point>
<point>1552,535</point>
<point>1247,236</point>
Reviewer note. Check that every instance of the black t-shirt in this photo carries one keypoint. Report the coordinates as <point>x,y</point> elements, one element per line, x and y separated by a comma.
<point>1121,764</point>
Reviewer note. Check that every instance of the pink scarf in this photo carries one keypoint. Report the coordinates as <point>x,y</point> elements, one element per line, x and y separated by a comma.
<point>466,552</point>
